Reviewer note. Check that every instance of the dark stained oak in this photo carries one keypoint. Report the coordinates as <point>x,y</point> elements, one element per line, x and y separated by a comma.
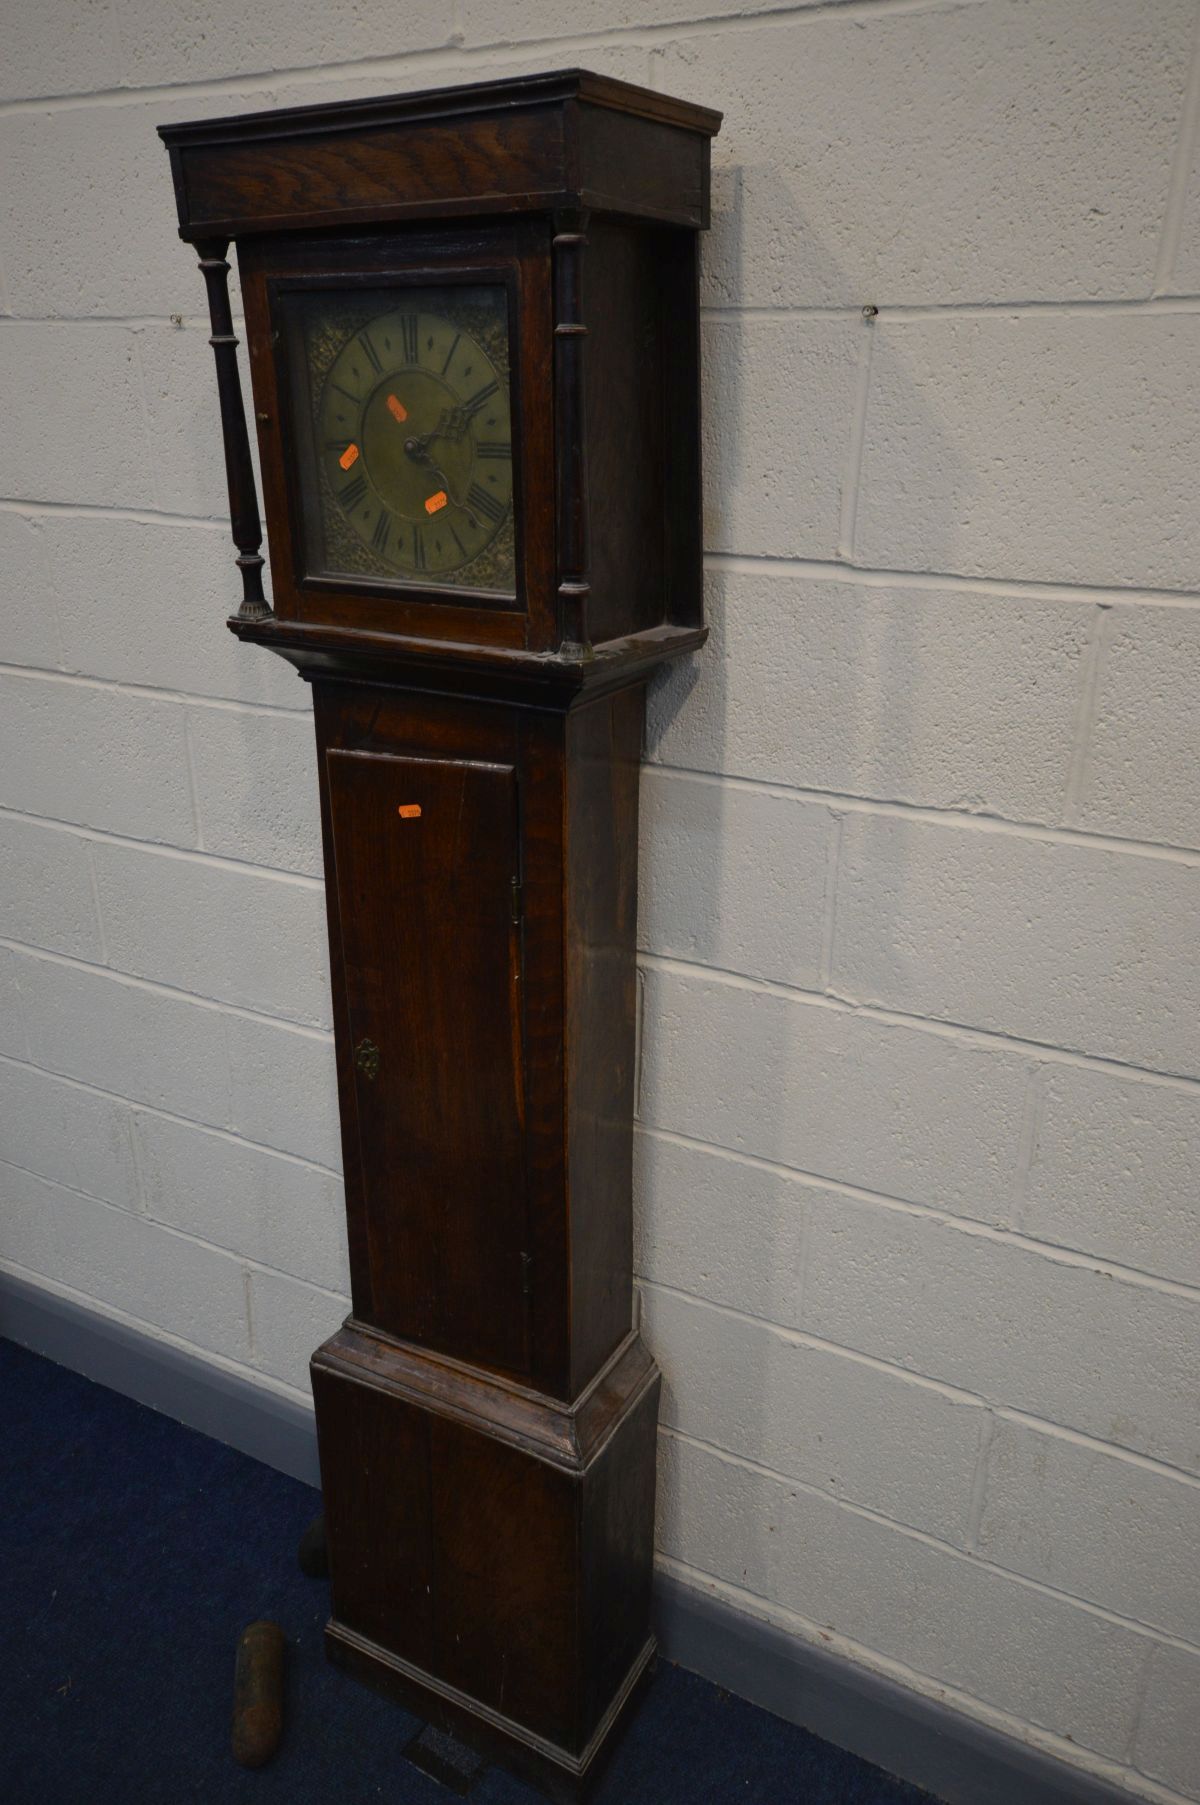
<point>426,906</point>
<point>487,1414</point>
<point>527,144</point>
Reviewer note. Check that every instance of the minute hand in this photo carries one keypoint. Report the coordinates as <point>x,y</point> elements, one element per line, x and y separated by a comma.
<point>421,454</point>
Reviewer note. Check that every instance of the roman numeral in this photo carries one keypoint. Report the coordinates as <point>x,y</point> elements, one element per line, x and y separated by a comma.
<point>370,353</point>
<point>353,492</point>
<point>494,448</point>
<point>346,393</point>
<point>408,330</point>
<point>450,352</point>
<point>379,537</point>
<point>418,549</point>
<point>454,535</point>
<point>479,397</point>
<point>482,503</point>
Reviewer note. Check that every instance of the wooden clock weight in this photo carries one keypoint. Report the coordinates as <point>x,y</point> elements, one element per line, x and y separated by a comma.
<point>473,338</point>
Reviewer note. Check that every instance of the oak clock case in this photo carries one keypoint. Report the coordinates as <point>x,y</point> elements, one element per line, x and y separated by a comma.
<point>472,327</point>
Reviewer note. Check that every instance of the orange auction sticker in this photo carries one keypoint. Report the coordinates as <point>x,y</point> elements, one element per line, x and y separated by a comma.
<point>436,501</point>
<point>409,811</point>
<point>397,408</point>
<point>348,457</point>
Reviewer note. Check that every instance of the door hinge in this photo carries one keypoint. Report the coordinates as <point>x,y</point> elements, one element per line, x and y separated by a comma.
<point>516,899</point>
<point>527,1274</point>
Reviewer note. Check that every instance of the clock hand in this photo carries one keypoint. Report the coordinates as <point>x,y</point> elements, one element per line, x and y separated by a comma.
<point>453,423</point>
<point>417,449</point>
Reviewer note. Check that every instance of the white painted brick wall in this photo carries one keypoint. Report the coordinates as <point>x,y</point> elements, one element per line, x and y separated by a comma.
<point>833,1092</point>
<point>278,1211</point>
<point>1009,1323</point>
<point>1091,425</point>
<point>1142,778</point>
<point>95,755</point>
<point>943,155</point>
<point>232,935</point>
<point>121,620</point>
<point>942,698</point>
<point>1116,1171</point>
<point>855,1430</point>
<point>918,1166</point>
<point>1168,1740</point>
<point>255,779</point>
<point>1119,1533</point>
<point>49,894</point>
<point>1043,1660</point>
<point>735,878</point>
<point>288,1320</point>
<point>779,404</point>
<point>133,1040</point>
<point>1075,946</point>
<point>57,1128</point>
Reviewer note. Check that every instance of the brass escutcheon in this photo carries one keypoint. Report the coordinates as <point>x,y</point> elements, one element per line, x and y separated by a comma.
<point>366,1058</point>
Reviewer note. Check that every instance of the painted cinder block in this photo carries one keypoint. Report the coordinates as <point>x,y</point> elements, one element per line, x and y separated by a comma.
<point>718,1226</point>
<point>776,433</point>
<point>835,1094</point>
<point>76,49</point>
<point>941,698</point>
<point>145,602</point>
<point>14,1043</point>
<point>225,932</point>
<point>734,878</point>
<point>97,452</point>
<point>1009,1323</point>
<point>290,1321</point>
<point>126,1262</point>
<point>227,39</point>
<point>1184,278</point>
<point>1116,1171</point>
<point>30,632</point>
<point>489,22</point>
<point>1142,776</point>
<point>46,896</point>
<point>1113,1531</point>
<point>271,1209</point>
<point>183,422</point>
<point>283,1088</point>
<point>96,756</point>
<point>1070,945</point>
<point>1039,1657</point>
<point>83,178</point>
<point>858,1432</point>
<point>125,1038</point>
<point>256,787</point>
<point>1168,1736</point>
<point>61,1131</point>
<point>626,60</point>
<point>948,154</point>
<point>1057,449</point>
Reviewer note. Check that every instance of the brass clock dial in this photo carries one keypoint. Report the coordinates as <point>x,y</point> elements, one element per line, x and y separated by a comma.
<point>416,440</point>
<point>406,466</point>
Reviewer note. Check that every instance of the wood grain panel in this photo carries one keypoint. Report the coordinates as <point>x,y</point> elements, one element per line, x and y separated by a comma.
<point>431,957</point>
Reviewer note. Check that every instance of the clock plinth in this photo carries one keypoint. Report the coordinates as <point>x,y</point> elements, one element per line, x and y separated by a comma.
<point>472,331</point>
<point>474,1491</point>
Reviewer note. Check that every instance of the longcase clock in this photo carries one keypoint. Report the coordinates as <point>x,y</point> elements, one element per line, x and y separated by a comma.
<point>472,327</point>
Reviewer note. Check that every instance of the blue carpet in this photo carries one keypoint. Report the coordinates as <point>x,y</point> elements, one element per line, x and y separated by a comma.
<point>136,1550</point>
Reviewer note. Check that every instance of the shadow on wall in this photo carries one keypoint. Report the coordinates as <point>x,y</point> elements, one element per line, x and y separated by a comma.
<point>781,394</point>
